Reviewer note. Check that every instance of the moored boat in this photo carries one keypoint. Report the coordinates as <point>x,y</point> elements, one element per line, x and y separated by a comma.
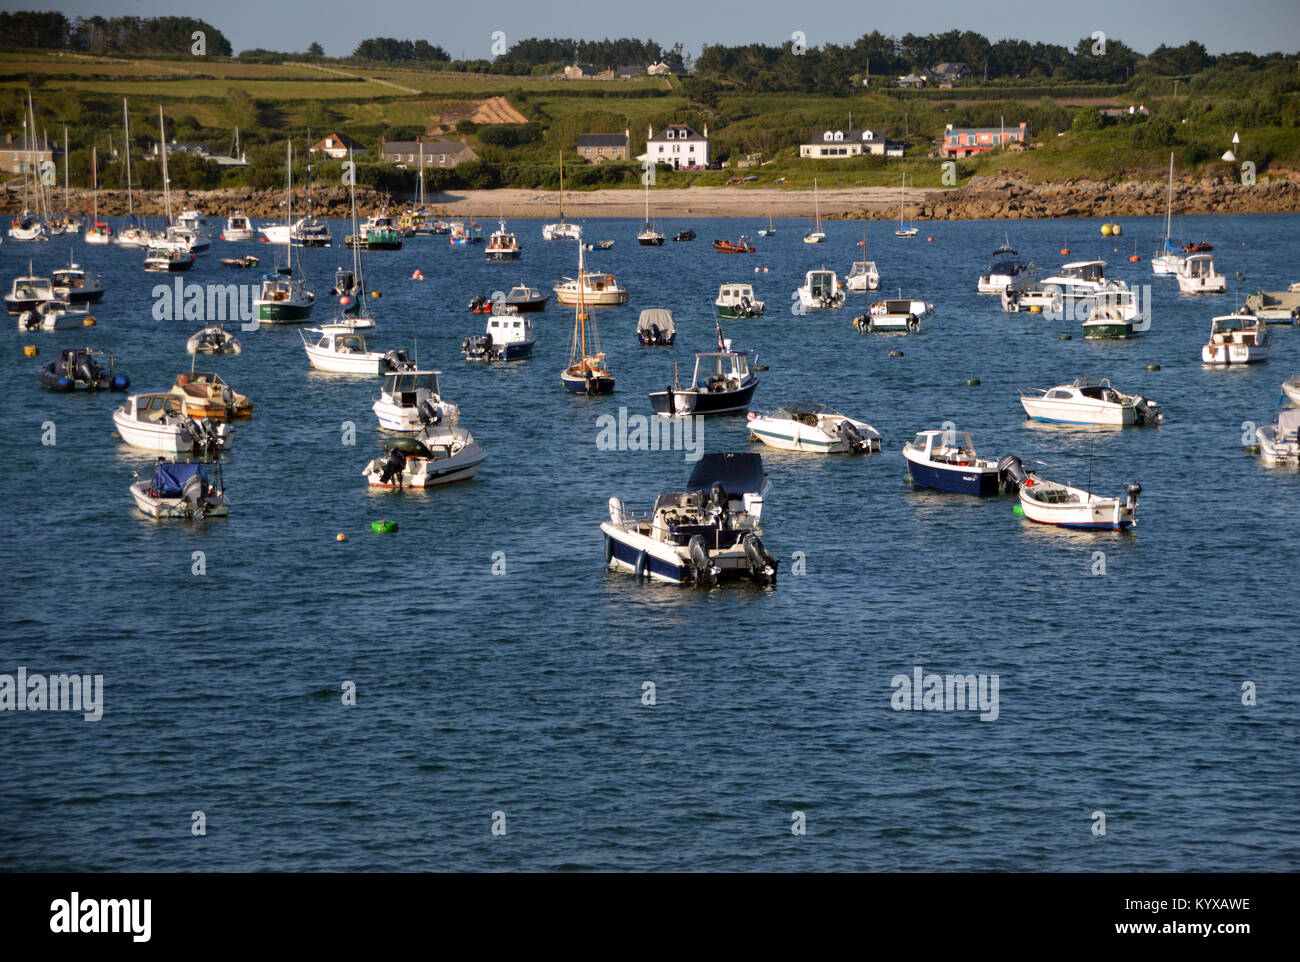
<point>813,427</point>
<point>893,314</point>
<point>1240,338</point>
<point>1050,502</point>
<point>820,291</point>
<point>205,394</point>
<point>436,456</point>
<point>213,339</point>
<point>1198,276</point>
<point>75,286</point>
<point>721,383</point>
<point>947,461</point>
<point>656,328</point>
<point>181,490</point>
<point>409,400</point>
<point>77,369</point>
<point>738,300</point>
<point>1089,400</point>
<point>507,337</point>
<point>53,315</point>
<point>157,422</point>
<point>1279,442</point>
<point>344,352</point>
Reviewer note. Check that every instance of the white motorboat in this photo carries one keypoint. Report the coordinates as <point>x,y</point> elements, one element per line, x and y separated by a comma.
<point>437,456</point>
<point>27,293</point>
<point>158,423</point>
<point>198,228</point>
<point>704,534</point>
<point>813,427</point>
<point>894,314</point>
<point>181,490</point>
<point>1030,295</point>
<point>502,245</point>
<point>1089,400</point>
<point>239,228</point>
<point>213,339</point>
<point>1005,267</point>
<point>53,315</point>
<point>1198,276</point>
<point>345,353</point>
<point>1083,279</point>
<point>1239,338</point>
<point>1050,502</point>
<point>409,400</point>
<point>1279,442</point>
<point>1291,388</point>
<point>508,337</point>
<point>820,291</point>
<point>167,260</point>
<point>738,300</point>
<point>863,277</point>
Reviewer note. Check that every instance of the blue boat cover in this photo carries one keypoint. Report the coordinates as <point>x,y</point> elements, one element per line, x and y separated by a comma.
<point>739,472</point>
<point>169,479</point>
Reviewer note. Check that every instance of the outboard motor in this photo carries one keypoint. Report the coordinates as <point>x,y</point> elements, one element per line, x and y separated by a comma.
<point>718,496</point>
<point>850,434</point>
<point>1132,491</point>
<point>746,308</point>
<point>88,370</point>
<point>1148,412</point>
<point>430,413</point>
<point>392,466</point>
<point>654,334</point>
<point>192,495</point>
<point>1011,473</point>
<point>762,566</point>
<point>30,320</point>
<point>705,572</point>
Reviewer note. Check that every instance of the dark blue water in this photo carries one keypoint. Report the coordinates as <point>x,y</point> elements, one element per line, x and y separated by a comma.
<point>521,692</point>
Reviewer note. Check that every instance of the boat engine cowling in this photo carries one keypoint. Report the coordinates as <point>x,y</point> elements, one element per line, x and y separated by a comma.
<point>762,566</point>
<point>703,570</point>
<point>430,413</point>
<point>855,441</point>
<point>391,466</point>
<point>1011,473</point>
<point>1132,492</point>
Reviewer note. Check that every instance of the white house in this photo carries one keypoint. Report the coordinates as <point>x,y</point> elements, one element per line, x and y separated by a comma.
<point>833,144</point>
<point>678,145</point>
<point>338,146</point>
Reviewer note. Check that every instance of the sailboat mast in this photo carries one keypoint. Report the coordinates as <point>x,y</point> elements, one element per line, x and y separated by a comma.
<point>66,209</point>
<point>582,304</point>
<point>1169,202</point>
<point>126,132</point>
<point>94,177</point>
<point>561,187</point>
<point>167,184</point>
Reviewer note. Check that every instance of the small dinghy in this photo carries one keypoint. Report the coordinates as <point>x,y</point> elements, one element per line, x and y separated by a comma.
<point>813,427</point>
<point>704,534</point>
<point>656,328</point>
<point>76,369</point>
<point>213,339</point>
<point>54,315</point>
<point>345,353</point>
<point>181,490</point>
<point>741,246</point>
<point>895,314</point>
<point>436,456</point>
<point>248,260</point>
<point>1279,442</point>
<point>207,395</point>
<point>1089,400</point>
<point>508,337</point>
<point>684,235</point>
<point>1050,502</point>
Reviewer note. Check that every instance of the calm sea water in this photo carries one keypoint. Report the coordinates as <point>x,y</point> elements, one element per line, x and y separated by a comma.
<point>522,692</point>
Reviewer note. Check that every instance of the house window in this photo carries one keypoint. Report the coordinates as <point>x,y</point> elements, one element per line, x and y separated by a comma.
<point>671,134</point>
<point>661,148</point>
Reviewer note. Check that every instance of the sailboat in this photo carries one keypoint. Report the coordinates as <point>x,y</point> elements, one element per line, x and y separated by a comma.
<point>28,225</point>
<point>353,306</point>
<point>904,230</point>
<point>562,230</point>
<point>71,225</point>
<point>1168,259</point>
<point>284,298</point>
<point>770,230</point>
<point>587,373</point>
<point>816,235</point>
<point>100,232</point>
<point>132,235</point>
<point>649,237</point>
<point>166,253</point>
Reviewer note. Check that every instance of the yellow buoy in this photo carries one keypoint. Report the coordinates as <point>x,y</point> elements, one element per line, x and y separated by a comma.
<point>1035,308</point>
<point>88,321</point>
<point>31,350</point>
<point>1105,230</point>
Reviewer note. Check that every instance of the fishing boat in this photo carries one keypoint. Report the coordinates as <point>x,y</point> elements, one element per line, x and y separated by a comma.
<point>213,339</point>
<point>863,277</point>
<point>820,291</point>
<point>1240,338</point>
<point>502,245</point>
<point>894,314</point>
<point>77,369</point>
<point>525,299</point>
<point>815,234</point>
<point>770,229</point>
<point>1276,307</point>
<point>704,534</point>
<point>813,427</point>
<point>410,399</point>
<point>592,289</point>
<point>28,292</point>
<point>238,228</point>
<point>344,352</point>
<point>656,328</point>
<point>507,337</point>
<point>207,395</point>
<point>946,460</point>
<point>376,233</point>
<point>1107,322</point>
<point>75,286</point>
<point>738,300</point>
<point>904,229</point>
<point>1279,442</point>
<point>438,455</point>
<point>562,230</point>
<point>181,490</point>
<point>1089,400</point>
<point>462,235</point>
<point>1050,502</point>
<point>1168,259</point>
<point>1291,388</point>
<point>1005,267</point>
<point>284,298</point>
<point>741,246</point>
<point>684,235</point>
<point>351,300</point>
<point>587,372</point>
<point>1198,276</point>
<point>721,383</point>
<point>53,315</point>
<point>158,423</point>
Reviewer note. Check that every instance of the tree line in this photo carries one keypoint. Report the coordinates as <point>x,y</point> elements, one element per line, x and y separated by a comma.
<point>129,35</point>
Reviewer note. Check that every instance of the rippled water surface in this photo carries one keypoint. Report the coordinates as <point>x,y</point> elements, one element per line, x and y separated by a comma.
<point>522,692</point>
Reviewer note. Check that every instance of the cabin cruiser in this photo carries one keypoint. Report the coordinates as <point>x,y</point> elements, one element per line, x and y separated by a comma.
<point>133,235</point>
<point>181,490</point>
<point>704,534</point>
<point>239,228</point>
<point>27,292</point>
<point>1279,442</point>
<point>820,290</point>
<point>199,228</point>
<point>284,299</point>
<point>502,245</point>
<point>946,460</point>
<point>1276,307</point>
<point>656,328</point>
<point>75,286</point>
<point>1107,322</point>
<point>213,339</point>
<point>1080,279</point>
<point>158,423</point>
<point>738,300</point>
<point>508,337</point>
<point>305,232</point>
<point>722,383</point>
<point>1005,267</point>
<point>863,277</point>
<point>437,455</point>
<point>527,299</point>
<point>76,368</point>
<point>1050,502</point>
<point>344,352</point>
<point>1239,338</point>
<point>206,395</point>
<point>597,290</point>
<point>813,427</point>
<point>1198,276</point>
<point>409,400</point>
<point>1291,388</point>
<point>376,233</point>
<point>53,315</point>
<point>895,314</point>
<point>182,239</point>
<point>167,260</point>
<point>1089,400</point>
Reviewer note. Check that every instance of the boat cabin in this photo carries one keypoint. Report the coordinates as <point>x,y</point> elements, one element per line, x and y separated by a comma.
<point>946,447</point>
<point>1237,328</point>
<point>720,371</point>
<point>72,277</point>
<point>405,387</point>
<point>863,269</point>
<point>1092,272</point>
<point>155,408</point>
<point>821,284</point>
<point>509,327</point>
<point>1089,386</point>
<point>31,289</point>
<point>736,295</point>
<point>1198,265</point>
<point>1006,262</point>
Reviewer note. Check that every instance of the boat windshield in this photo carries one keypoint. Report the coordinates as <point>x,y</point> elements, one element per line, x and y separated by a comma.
<point>408,382</point>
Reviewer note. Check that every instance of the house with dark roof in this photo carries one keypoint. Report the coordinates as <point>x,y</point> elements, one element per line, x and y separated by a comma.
<point>17,153</point>
<point>338,146</point>
<point>631,70</point>
<point>950,72</point>
<point>434,153</point>
<point>593,148</point>
<point>677,145</point>
<point>833,144</point>
<point>202,152</point>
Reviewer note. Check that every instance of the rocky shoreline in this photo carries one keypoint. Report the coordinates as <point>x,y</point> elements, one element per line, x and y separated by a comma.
<point>988,197</point>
